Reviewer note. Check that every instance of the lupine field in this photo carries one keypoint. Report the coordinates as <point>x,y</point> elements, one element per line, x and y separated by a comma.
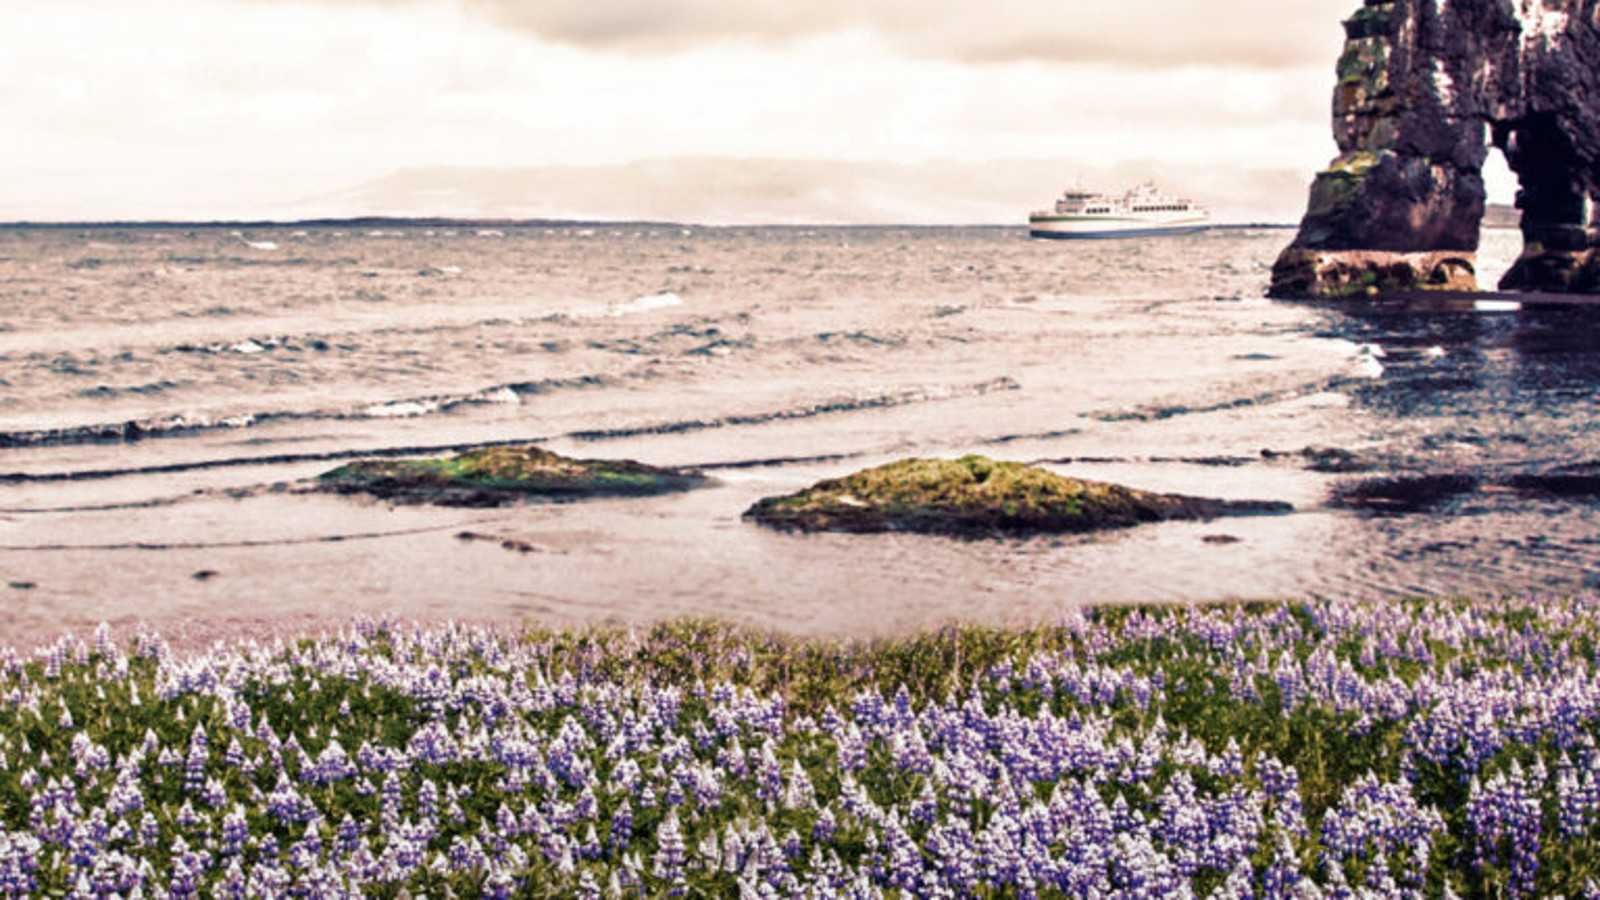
<point>1308,749</point>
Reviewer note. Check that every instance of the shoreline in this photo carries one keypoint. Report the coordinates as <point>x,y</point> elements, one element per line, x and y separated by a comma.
<point>232,631</point>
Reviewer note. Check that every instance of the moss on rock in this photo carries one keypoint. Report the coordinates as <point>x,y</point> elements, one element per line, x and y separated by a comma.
<point>495,476</point>
<point>1370,274</point>
<point>975,497</point>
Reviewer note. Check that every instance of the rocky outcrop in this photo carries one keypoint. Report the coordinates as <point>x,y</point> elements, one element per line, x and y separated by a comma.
<point>976,497</point>
<point>497,476</point>
<point>1425,88</point>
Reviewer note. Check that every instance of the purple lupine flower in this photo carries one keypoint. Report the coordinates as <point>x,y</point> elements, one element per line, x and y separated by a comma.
<point>187,817</point>
<point>428,800</point>
<point>350,834</point>
<point>588,888</point>
<point>194,772</point>
<point>213,795</point>
<point>1230,764</point>
<point>331,765</point>
<point>235,832</point>
<point>1504,813</point>
<point>1182,825</point>
<point>898,862</point>
<point>499,885</point>
<point>305,853</point>
<point>19,863</point>
<point>287,805</point>
<point>88,756</point>
<point>621,832</point>
<point>187,869</point>
<point>126,794</point>
<point>1282,877</point>
<point>1374,820</point>
<point>1281,784</point>
<point>822,832</point>
<point>1578,796</point>
<point>466,855</point>
<point>234,756</point>
<point>667,864</point>
<point>1239,884</point>
<point>149,830</point>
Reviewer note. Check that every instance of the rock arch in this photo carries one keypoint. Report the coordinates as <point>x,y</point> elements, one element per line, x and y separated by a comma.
<point>1426,87</point>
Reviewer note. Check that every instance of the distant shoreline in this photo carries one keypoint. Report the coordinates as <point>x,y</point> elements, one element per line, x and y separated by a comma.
<point>438,222</point>
<point>353,222</point>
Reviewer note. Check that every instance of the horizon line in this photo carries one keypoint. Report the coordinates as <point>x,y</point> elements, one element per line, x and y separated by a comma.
<point>513,222</point>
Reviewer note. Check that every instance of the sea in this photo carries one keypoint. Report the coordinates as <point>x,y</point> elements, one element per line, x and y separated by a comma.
<point>165,392</point>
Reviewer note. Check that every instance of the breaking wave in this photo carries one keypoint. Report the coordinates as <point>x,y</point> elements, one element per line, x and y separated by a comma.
<point>184,424</point>
<point>888,400</point>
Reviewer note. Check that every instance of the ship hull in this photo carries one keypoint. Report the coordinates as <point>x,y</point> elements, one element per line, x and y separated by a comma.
<point>1091,229</point>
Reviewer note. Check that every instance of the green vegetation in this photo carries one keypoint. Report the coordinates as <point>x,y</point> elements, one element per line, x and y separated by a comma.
<point>1365,61</point>
<point>1319,748</point>
<point>975,496</point>
<point>497,475</point>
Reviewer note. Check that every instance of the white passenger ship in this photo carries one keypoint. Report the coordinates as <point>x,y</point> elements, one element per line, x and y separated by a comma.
<point>1143,211</point>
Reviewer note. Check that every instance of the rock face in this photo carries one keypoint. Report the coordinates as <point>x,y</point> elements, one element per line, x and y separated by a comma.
<point>497,476</point>
<point>1425,87</point>
<point>978,497</point>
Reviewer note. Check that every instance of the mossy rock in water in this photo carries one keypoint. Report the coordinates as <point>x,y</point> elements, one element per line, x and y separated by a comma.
<point>975,497</point>
<point>496,476</point>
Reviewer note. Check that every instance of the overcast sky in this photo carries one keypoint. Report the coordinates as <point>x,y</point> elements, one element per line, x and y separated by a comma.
<point>214,108</point>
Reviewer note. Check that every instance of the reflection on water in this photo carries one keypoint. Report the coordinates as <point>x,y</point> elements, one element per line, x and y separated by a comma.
<point>159,384</point>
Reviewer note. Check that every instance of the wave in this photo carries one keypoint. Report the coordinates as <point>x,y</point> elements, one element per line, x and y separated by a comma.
<point>151,503</point>
<point>184,425</point>
<point>921,394</point>
<point>252,345</point>
<point>143,390</point>
<point>232,545</point>
<point>618,310</point>
<point>654,301</point>
<point>769,462</point>
<point>322,343</point>
<point>1050,435</point>
<point>254,245</point>
<point>1159,412</point>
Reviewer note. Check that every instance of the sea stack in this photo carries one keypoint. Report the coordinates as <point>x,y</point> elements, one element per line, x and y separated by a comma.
<point>1426,87</point>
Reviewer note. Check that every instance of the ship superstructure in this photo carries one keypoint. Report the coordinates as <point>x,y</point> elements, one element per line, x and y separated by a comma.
<point>1143,211</point>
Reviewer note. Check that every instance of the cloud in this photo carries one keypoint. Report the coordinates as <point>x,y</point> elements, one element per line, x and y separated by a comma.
<point>220,107</point>
<point>1263,34</point>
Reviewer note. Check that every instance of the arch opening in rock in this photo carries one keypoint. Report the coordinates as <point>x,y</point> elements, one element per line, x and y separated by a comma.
<point>1557,210</point>
<point>1425,88</point>
<point>1500,235</point>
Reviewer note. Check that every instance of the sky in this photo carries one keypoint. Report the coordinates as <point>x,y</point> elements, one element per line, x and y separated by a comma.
<point>625,108</point>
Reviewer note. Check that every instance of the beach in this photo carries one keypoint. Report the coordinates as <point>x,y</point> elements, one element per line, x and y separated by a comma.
<point>171,390</point>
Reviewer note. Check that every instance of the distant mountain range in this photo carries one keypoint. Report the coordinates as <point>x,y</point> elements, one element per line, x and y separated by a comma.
<point>355,222</point>
<point>769,193</point>
<point>740,191</point>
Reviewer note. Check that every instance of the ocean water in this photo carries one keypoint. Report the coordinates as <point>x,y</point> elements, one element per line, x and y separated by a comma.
<point>160,388</point>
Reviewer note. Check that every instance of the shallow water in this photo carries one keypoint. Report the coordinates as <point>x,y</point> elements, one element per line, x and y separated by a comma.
<point>770,358</point>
